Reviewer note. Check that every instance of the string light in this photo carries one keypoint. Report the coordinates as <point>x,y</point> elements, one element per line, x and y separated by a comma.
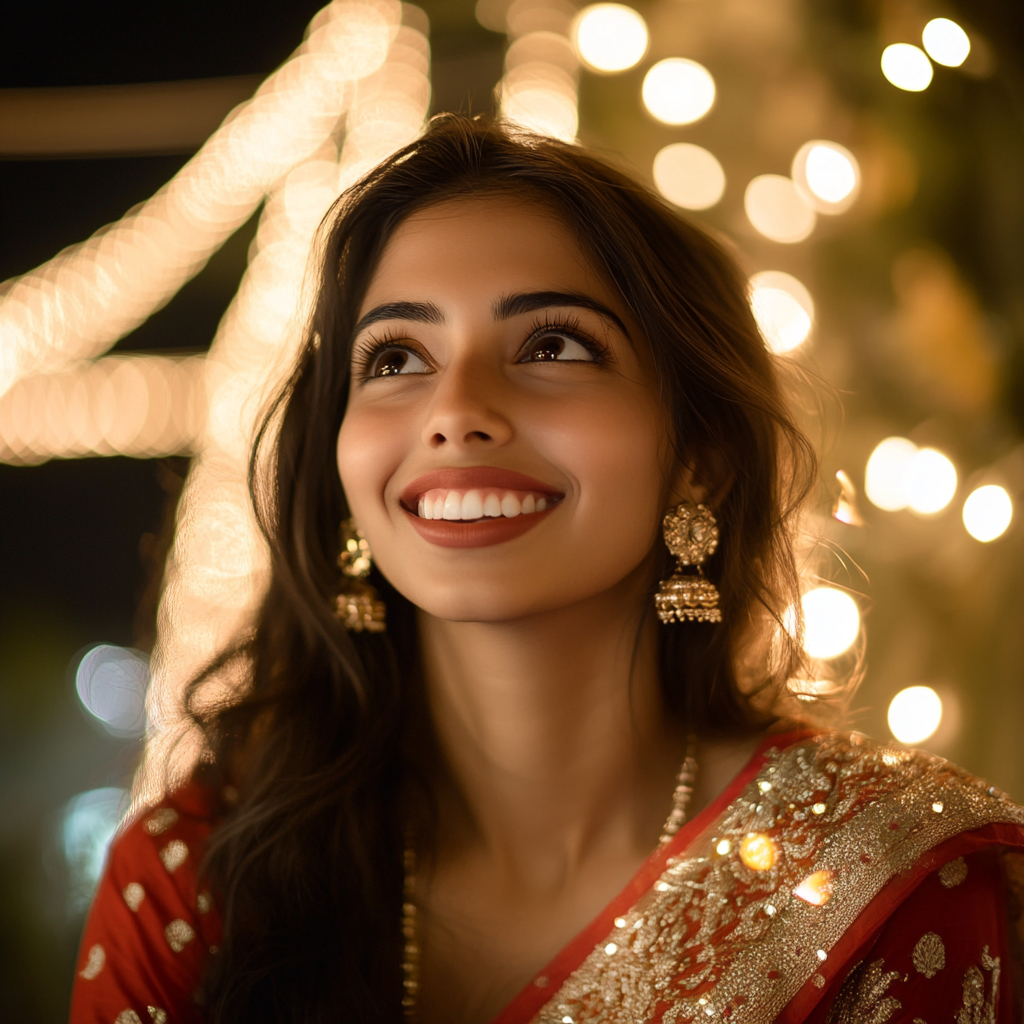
<point>915,714</point>
<point>775,207</point>
<point>218,566</point>
<point>783,308</point>
<point>145,406</point>
<point>689,176</point>
<point>987,512</point>
<point>831,621</point>
<point>946,42</point>
<point>610,37</point>
<point>538,90</point>
<point>907,67</point>
<point>930,482</point>
<point>886,473</point>
<point>828,175</point>
<point>80,303</point>
<point>678,91</point>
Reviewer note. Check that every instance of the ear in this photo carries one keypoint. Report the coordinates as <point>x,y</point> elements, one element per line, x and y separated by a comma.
<point>703,479</point>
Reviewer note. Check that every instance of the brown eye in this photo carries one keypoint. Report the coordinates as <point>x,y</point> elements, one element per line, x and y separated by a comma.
<point>395,361</point>
<point>558,348</point>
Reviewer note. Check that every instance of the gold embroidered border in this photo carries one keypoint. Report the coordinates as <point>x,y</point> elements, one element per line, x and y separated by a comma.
<point>830,819</point>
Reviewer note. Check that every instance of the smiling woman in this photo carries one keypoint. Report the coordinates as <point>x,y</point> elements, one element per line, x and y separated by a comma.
<point>452,792</point>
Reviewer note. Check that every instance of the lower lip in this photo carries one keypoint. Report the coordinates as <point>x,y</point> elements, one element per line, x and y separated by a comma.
<point>481,534</point>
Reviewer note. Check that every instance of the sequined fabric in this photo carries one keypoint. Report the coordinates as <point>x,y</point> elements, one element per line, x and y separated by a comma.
<point>825,825</point>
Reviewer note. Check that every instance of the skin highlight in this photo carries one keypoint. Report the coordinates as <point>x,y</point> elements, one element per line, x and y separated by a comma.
<point>539,652</point>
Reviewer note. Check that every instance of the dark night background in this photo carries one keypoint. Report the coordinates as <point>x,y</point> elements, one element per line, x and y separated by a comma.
<point>77,537</point>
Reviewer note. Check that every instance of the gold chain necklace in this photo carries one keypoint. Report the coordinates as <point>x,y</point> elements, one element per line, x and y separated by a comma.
<point>681,797</point>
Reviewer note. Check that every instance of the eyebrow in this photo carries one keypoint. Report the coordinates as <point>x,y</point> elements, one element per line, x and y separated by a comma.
<point>529,302</point>
<point>505,308</point>
<point>420,312</point>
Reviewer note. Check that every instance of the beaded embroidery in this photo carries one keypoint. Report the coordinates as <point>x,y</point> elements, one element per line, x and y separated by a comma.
<point>720,936</point>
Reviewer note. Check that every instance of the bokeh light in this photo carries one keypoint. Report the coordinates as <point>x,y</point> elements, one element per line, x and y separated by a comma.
<point>678,91</point>
<point>907,67</point>
<point>111,683</point>
<point>914,714</point>
<point>930,482</point>
<point>89,822</point>
<point>783,308</point>
<point>946,42</point>
<point>689,176</point>
<point>831,622</point>
<point>610,37</point>
<point>828,174</point>
<point>987,512</point>
<point>775,207</point>
<point>885,477</point>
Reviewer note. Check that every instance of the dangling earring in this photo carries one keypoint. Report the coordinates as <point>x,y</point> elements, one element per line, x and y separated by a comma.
<point>691,534</point>
<point>357,606</point>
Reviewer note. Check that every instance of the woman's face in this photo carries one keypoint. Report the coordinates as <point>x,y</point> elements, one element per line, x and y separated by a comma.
<point>505,449</point>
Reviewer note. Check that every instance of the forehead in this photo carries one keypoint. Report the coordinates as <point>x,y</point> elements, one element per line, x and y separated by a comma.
<point>488,244</point>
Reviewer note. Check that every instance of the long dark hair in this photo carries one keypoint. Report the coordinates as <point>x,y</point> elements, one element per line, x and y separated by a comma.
<point>307,864</point>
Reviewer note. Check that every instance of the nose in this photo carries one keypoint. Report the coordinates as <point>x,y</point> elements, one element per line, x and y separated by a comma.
<point>464,411</point>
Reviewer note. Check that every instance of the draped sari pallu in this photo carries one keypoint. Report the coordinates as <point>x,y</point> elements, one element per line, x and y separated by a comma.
<point>835,881</point>
<point>795,901</point>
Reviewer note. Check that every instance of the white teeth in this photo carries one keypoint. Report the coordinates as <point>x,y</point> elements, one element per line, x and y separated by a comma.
<point>476,504</point>
<point>510,506</point>
<point>453,505</point>
<point>472,505</point>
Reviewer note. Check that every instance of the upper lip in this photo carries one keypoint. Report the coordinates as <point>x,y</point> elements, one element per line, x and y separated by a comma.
<point>474,477</point>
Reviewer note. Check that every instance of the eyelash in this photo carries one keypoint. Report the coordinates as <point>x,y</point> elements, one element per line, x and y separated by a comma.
<point>569,326</point>
<point>366,354</point>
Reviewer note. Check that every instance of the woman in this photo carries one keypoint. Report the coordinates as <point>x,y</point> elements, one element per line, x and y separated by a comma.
<point>452,792</point>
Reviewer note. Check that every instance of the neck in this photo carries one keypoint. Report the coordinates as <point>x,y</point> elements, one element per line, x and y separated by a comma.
<point>554,733</point>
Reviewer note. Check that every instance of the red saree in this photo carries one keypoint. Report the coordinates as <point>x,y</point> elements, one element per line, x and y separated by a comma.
<point>835,881</point>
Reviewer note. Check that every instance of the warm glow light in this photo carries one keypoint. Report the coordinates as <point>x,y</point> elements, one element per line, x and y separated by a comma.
<point>931,481</point>
<point>783,308</point>
<point>678,91</point>
<point>610,37</point>
<point>915,714</point>
<point>831,622</point>
<point>139,405</point>
<point>828,175</point>
<point>987,512</point>
<point>907,67</point>
<point>777,210</point>
<point>946,42</point>
<point>218,566</point>
<point>82,301</point>
<point>815,889</point>
<point>757,851</point>
<point>541,108</point>
<point>885,478</point>
<point>689,176</point>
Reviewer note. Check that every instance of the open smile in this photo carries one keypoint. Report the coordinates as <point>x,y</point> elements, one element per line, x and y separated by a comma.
<point>476,506</point>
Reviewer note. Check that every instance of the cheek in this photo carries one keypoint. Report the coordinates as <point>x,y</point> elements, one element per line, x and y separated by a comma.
<point>618,451</point>
<point>370,446</point>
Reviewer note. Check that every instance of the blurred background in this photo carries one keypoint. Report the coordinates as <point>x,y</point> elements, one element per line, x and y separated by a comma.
<point>865,159</point>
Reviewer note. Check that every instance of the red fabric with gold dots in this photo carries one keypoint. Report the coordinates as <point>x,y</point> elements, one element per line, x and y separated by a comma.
<point>150,929</point>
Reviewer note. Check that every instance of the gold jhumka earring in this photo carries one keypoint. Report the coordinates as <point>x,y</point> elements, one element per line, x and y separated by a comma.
<point>358,605</point>
<point>691,534</point>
